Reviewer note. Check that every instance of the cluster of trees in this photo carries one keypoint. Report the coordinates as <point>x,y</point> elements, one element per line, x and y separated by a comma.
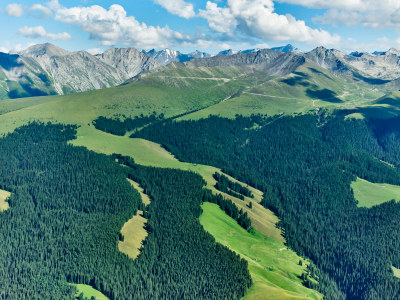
<point>305,165</point>
<point>229,208</point>
<point>231,188</point>
<point>67,208</point>
<point>118,127</point>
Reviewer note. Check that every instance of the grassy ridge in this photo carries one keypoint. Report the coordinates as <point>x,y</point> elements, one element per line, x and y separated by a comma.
<point>369,194</point>
<point>171,97</point>
<point>275,270</point>
<point>306,89</point>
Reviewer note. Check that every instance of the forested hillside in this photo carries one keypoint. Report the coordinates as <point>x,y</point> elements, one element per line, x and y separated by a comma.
<point>66,211</point>
<point>305,165</point>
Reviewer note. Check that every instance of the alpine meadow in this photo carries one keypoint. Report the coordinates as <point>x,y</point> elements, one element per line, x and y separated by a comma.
<point>133,166</point>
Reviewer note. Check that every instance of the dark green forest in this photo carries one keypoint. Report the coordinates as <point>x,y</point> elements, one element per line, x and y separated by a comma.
<point>67,208</point>
<point>231,188</point>
<point>118,127</point>
<point>305,164</point>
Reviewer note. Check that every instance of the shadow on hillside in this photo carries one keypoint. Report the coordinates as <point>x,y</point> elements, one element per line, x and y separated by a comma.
<point>318,72</point>
<point>324,95</point>
<point>8,61</point>
<point>293,81</point>
<point>375,81</point>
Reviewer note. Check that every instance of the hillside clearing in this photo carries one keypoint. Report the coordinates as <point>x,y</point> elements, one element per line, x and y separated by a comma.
<point>89,292</point>
<point>369,194</point>
<point>134,233</point>
<point>4,195</point>
<point>396,272</point>
<point>136,186</point>
<point>274,272</point>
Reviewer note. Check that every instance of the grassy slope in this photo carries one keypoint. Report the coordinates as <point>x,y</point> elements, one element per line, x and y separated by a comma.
<point>169,96</point>
<point>145,198</point>
<point>3,197</point>
<point>274,269</point>
<point>289,95</point>
<point>369,194</point>
<point>88,292</point>
<point>134,233</point>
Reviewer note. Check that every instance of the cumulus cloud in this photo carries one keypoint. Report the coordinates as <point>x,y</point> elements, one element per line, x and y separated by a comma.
<point>257,18</point>
<point>8,47</point>
<point>325,4</point>
<point>113,26</point>
<point>43,11</point>
<point>15,10</point>
<point>220,19</point>
<point>178,7</point>
<point>40,32</point>
<point>369,13</point>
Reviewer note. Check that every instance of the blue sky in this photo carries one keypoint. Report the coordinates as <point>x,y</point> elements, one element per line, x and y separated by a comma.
<point>210,26</point>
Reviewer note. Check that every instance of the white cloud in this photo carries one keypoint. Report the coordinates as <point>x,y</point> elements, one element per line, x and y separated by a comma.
<point>325,4</point>
<point>15,10</point>
<point>368,13</point>
<point>40,32</point>
<point>178,7</point>
<point>113,26</point>
<point>257,18</point>
<point>44,11</point>
<point>95,51</point>
<point>7,47</point>
<point>220,19</point>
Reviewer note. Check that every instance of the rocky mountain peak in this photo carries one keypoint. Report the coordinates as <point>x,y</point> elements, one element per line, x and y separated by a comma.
<point>287,48</point>
<point>46,49</point>
<point>392,51</point>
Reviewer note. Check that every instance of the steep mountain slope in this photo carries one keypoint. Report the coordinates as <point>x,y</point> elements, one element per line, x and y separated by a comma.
<point>128,60</point>
<point>47,70</point>
<point>385,65</point>
<point>269,61</point>
<point>73,71</point>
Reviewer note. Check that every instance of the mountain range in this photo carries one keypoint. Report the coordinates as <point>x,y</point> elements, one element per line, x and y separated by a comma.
<point>45,69</point>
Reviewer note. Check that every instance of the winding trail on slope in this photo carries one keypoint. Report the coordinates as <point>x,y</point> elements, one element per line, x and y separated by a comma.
<point>203,78</point>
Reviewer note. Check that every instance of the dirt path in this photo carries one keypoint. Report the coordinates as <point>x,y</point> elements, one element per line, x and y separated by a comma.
<point>203,78</point>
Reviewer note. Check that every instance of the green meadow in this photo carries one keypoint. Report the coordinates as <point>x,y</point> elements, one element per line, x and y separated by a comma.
<point>89,292</point>
<point>274,268</point>
<point>369,194</point>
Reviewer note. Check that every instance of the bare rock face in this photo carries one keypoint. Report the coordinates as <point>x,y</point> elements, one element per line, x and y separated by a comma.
<point>128,60</point>
<point>47,70</point>
<point>384,65</point>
